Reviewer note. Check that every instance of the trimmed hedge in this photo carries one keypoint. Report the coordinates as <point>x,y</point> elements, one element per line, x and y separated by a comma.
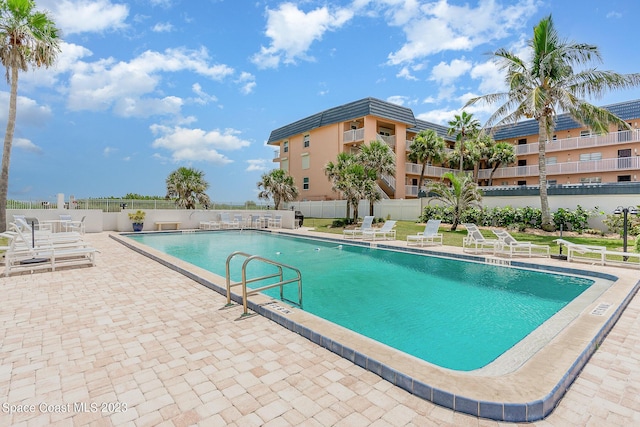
<point>510,217</point>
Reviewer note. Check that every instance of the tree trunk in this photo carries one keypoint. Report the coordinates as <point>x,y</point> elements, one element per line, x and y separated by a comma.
<point>543,137</point>
<point>6,152</point>
<point>424,166</point>
<point>495,168</point>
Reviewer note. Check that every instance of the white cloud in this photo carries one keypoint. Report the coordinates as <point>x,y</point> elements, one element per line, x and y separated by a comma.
<point>292,31</point>
<point>79,16</point>
<point>247,82</point>
<point>441,116</point>
<point>444,73</point>
<point>127,86</point>
<point>490,76</point>
<point>30,113</point>
<point>398,99</point>
<point>147,107</point>
<point>108,150</point>
<point>196,144</point>
<point>27,145</point>
<point>162,27</point>
<point>259,165</point>
<point>203,97</point>
<point>405,73</point>
<point>439,26</point>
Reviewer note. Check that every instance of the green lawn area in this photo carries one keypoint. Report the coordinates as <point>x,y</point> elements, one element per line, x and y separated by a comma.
<point>454,238</point>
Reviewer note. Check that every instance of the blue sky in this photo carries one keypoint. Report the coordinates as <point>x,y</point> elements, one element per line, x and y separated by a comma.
<point>143,87</point>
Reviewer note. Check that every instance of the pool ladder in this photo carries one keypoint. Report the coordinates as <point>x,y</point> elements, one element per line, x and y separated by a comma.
<point>245,281</point>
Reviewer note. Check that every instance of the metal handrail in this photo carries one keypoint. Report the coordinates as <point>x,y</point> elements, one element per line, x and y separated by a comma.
<point>244,280</point>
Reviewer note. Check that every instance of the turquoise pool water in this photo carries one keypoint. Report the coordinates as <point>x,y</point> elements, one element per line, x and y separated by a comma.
<point>456,314</point>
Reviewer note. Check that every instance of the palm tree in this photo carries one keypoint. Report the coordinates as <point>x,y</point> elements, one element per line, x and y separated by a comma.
<point>461,195</point>
<point>336,173</point>
<point>463,126</point>
<point>279,186</point>
<point>27,38</point>
<point>427,147</point>
<point>547,85</point>
<point>502,153</point>
<point>479,149</point>
<point>377,158</point>
<point>187,186</point>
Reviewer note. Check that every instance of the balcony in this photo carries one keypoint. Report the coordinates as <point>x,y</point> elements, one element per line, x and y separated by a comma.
<point>353,135</point>
<point>437,171</point>
<point>613,138</point>
<point>605,165</point>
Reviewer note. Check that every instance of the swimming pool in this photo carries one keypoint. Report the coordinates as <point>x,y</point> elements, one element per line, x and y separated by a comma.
<point>456,314</point>
<point>524,384</point>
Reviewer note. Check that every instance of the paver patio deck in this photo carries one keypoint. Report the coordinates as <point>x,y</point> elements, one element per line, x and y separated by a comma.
<point>132,332</point>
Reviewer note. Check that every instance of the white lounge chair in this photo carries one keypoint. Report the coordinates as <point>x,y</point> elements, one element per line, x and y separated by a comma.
<point>23,228</point>
<point>508,245</point>
<point>429,236</point>
<point>24,255</point>
<point>227,222</point>
<point>386,232</point>
<point>475,242</point>
<point>367,222</point>
<point>599,254</point>
<point>275,222</point>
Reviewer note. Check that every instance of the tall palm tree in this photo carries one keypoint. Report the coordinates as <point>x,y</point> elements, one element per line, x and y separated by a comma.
<point>27,38</point>
<point>547,85</point>
<point>427,147</point>
<point>463,126</point>
<point>378,159</point>
<point>479,149</point>
<point>461,195</point>
<point>187,186</point>
<point>502,153</point>
<point>279,186</point>
<point>337,175</point>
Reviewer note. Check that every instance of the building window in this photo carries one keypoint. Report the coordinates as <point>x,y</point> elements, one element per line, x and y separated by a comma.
<point>591,180</point>
<point>553,182</point>
<point>522,141</point>
<point>624,178</point>
<point>522,162</point>
<point>284,165</point>
<point>286,147</point>
<point>585,133</point>
<point>522,182</point>
<point>305,183</point>
<point>305,142</point>
<point>585,157</point>
<point>555,137</point>
<point>305,161</point>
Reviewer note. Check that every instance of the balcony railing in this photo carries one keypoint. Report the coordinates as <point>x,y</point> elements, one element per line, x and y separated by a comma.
<point>353,135</point>
<point>414,169</point>
<point>605,165</point>
<point>612,138</point>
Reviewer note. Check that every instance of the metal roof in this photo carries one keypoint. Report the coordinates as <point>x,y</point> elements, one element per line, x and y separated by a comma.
<point>350,111</point>
<point>424,125</point>
<point>625,110</point>
<point>386,110</point>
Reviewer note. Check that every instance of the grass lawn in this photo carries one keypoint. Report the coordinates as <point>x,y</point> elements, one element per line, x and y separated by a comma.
<point>454,238</point>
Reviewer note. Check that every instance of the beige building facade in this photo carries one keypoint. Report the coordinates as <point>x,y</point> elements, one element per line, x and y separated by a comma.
<point>574,156</point>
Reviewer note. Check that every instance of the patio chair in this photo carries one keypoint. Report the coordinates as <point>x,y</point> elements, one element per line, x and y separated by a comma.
<point>386,232</point>
<point>77,226</point>
<point>475,242</point>
<point>275,222</point>
<point>22,255</point>
<point>367,222</point>
<point>227,222</point>
<point>508,245</point>
<point>429,236</point>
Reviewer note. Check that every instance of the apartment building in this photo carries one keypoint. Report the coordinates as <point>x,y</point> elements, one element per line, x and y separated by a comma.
<point>574,156</point>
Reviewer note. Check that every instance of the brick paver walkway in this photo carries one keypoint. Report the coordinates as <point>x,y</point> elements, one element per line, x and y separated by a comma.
<point>138,344</point>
